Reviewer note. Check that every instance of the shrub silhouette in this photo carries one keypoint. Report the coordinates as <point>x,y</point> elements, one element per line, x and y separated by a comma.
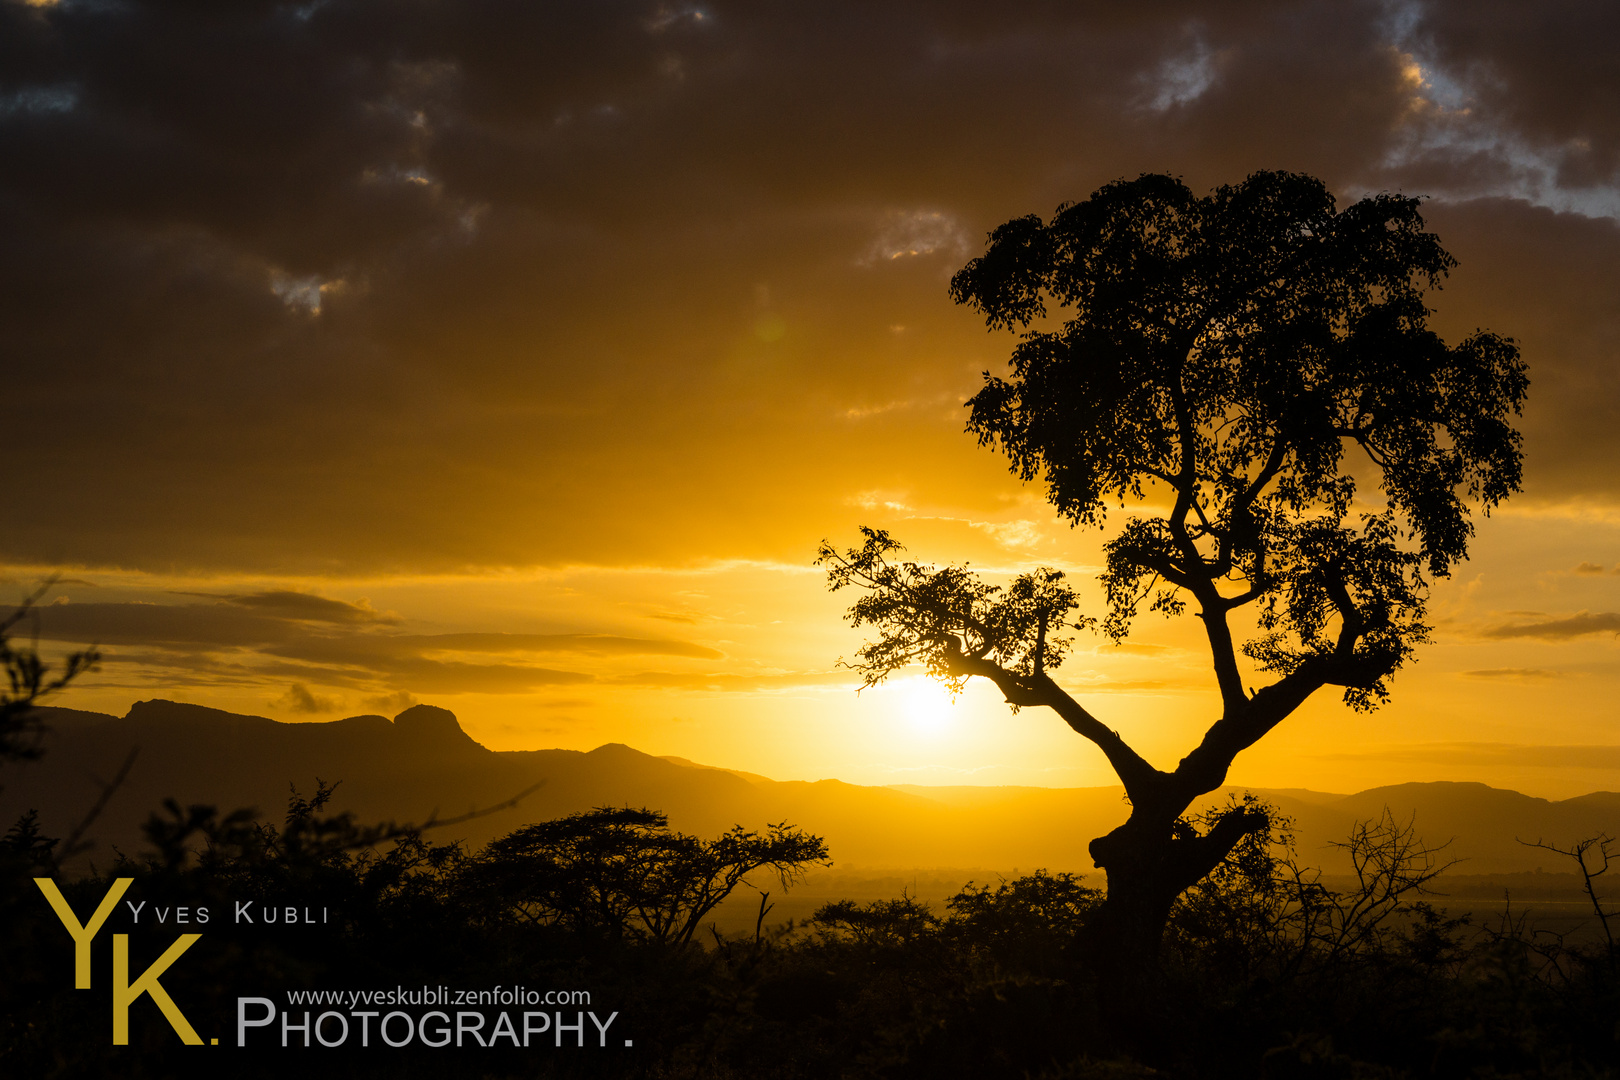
<point>1267,971</point>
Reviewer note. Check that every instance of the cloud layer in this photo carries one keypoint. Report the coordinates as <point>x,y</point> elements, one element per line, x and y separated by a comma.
<point>353,286</point>
<point>301,639</point>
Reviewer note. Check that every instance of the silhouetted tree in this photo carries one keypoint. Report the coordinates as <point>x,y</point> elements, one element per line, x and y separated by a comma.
<point>1246,358</point>
<point>619,873</point>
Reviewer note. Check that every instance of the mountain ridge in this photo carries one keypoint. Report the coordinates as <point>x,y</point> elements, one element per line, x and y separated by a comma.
<point>422,764</point>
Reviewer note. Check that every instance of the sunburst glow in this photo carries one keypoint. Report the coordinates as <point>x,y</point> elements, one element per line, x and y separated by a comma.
<point>928,708</point>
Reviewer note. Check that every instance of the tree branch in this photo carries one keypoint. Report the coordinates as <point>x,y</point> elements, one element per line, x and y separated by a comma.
<point>1138,776</point>
<point>1223,653</point>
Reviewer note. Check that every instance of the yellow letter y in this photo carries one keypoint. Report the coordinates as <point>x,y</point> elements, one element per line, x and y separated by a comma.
<point>82,935</point>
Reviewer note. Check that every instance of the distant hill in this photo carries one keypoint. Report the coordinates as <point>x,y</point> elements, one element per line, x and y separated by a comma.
<point>421,763</point>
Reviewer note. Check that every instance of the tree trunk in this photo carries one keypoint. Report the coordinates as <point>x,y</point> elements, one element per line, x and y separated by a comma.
<point>1129,926</point>
<point>1150,861</point>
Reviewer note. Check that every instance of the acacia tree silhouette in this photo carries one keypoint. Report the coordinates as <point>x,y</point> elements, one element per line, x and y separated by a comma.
<point>616,873</point>
<point>1244,356</point>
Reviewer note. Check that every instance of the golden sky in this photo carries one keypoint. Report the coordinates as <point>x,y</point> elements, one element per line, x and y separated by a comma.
<point>515,357</point>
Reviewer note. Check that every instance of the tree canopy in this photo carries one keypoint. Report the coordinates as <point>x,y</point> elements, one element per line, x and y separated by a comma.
<point>1234,351</point>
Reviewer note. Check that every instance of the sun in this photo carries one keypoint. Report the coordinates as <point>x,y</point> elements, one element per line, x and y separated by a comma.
<point>928,708</point>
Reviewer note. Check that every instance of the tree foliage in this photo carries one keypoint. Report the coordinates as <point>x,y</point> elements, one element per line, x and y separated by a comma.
<point>935,617</point>
<point>1232,353</point>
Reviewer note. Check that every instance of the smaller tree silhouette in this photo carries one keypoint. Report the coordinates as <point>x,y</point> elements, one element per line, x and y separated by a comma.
<point>622,874</point>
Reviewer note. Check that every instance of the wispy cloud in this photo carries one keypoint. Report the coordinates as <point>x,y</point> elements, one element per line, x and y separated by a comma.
<point>1181,79</point>
<point>1514,673</point>
<point>300,699</point>
<point>309,640</point>
<point>291,604</point>
<point>1011,534</point>
<point>1574,626</point>
<point>910,234</point>
<point>737,681</point>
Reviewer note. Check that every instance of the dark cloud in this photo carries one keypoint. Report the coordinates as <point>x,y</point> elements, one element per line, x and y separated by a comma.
<point>280,618</point>
<point>287,604</point>
<point>596,644</point>
<point>1542,74</point>
<point>361,670</point>
<point>310,639</point>
<point>1586,622</point>
<point>424,676</point>
<point>214,626</point>
<point>366,286</point>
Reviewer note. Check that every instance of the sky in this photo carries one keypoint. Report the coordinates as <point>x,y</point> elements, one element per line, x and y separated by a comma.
<point>515,357</point>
